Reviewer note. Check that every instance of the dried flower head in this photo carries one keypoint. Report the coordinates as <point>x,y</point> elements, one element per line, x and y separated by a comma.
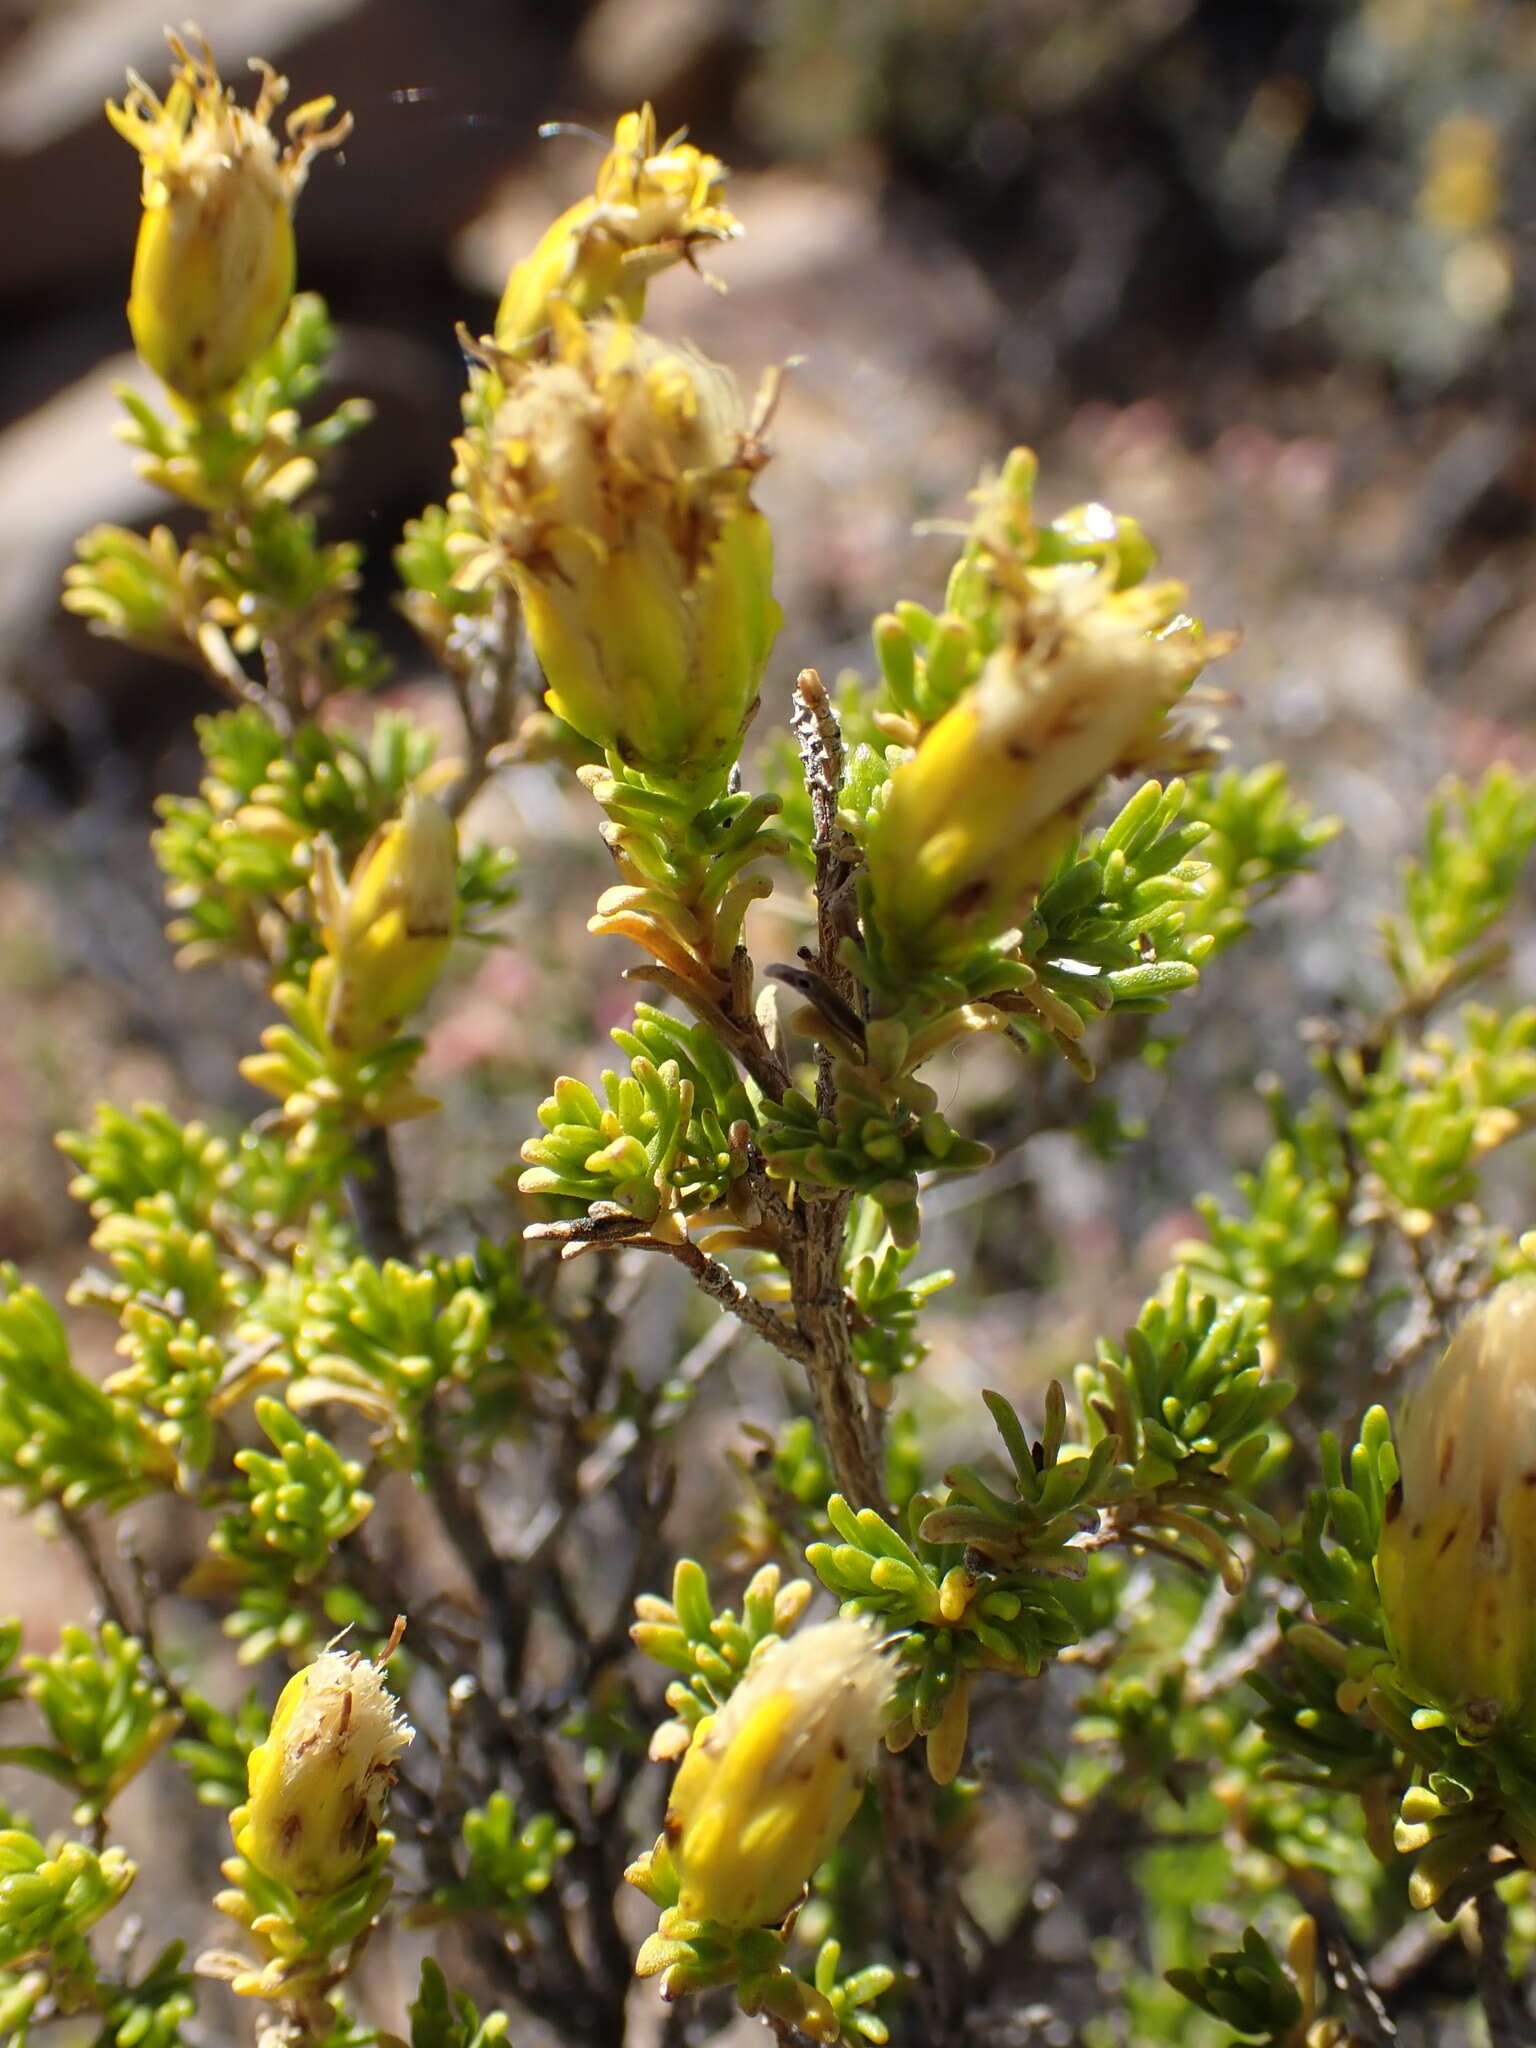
<point>648,209</point>
<point>771,1781</point>
<point>1457,1561</point>
<point>214,267</point>
<point>319,1782</point>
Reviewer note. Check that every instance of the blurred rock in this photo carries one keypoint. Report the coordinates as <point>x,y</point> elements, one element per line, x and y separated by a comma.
<point>632,50</point>
<point>54,74</point>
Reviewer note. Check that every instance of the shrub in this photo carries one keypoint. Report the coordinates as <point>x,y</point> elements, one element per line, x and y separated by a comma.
<point>1144,1623</point>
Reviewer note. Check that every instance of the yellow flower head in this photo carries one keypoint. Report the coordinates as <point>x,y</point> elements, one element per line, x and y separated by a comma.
<point>649,209</point>
<point>1457,1563</point>
<point>771,1781</point>
<point>1086,666</point>
<point>387,931</point>
<point>214,268</point>
<point>614,489</point>
<point>319,1782</point>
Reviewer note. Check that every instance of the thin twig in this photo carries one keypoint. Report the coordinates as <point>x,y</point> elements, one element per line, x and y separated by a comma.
<point>1260,1643</point>
<point>577,1971</point>
<point>1413,1948</point>
<point>374,1194</point>
<point>285,685</point>
<point>1095,1651</point>
<point>1476,1878</point>
<point>586,1880</point>
<point>82,1540</point>
<point>222,666</point>
<point>922,1887</point>
<point>601,1467</point>
<point>145,1589</point>
<point>740,1029</point>
<point>1502,1999</point>
<point>721,1286</point>
<point>485,687</point>
<point>605,1228</point>
<point>1212,1619</point>
<point>574,1993</point>
<point>1214,1680</point>
<point>502,1592</point>
<point>1369,2017</point>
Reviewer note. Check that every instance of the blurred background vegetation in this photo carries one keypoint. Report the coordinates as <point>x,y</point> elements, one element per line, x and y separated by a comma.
<point>1257,272</point>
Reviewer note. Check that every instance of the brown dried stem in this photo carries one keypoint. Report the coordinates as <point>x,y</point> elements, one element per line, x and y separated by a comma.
<point>615,1228</point>
<point>814,1254</point>
<point>921,1883</point>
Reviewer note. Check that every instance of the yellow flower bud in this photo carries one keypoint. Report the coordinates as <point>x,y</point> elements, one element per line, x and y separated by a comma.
<point>1457,1562</point>
<point>213,270</point>
<point>1077,689</point>
<point>649,209</point>
<point>614,489</point>
<point>771,1781</point>
<point>387,931</point>
<point>319,1782</point>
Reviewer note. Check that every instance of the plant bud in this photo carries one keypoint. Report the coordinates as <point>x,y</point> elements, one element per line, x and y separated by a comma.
<point>771,1781</point>
<point>614,489</point>
<point>1078,688</point>
<point>388,930</point>
<point>1457,1560</point>
<point>213,271</point>
<point>648,210</point>
<point>319,1782</point>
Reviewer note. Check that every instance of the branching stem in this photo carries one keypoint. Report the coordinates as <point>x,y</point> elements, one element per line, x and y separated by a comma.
<point>709,1275</point>
<point>921,1883</point>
